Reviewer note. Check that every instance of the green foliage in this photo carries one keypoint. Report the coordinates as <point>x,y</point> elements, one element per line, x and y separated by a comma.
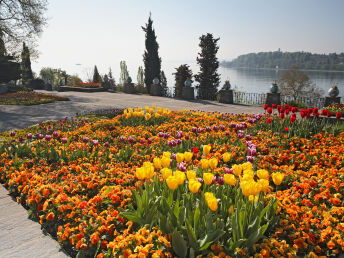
<point>96,75</point>
<point>208,78</point>
<point>55,75</point>
<point>286,60</point>
<point>26,71</point>
<point>124,73</point>
<point>140,77</point>
<point>182,73</point>
<point>151,59</point>
<point>295,103</point>
<point>163,83</point>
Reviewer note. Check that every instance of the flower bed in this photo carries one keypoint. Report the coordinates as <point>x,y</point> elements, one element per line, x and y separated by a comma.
<point>28,98</point>
<point>162,183</point>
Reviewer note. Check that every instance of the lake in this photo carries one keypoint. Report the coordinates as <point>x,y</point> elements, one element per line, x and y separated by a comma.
<point>259,80</point>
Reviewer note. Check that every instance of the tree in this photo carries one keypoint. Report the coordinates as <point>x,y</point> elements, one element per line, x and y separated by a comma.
<point>8,70</point>
<point>297,84</point>
<point>151,59</point>
<point>140,77</point>
<point>208,78</point>
<point>26,65</point>
<point>96,75</point>
<point>124,73</point>
<point>181,75</point>
<point>163,83</point>
<point>21,20</point>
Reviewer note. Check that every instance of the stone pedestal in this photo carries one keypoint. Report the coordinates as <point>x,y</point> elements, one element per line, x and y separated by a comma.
<point>330,100</point>
<point>48,87</point>
<point>3,88</point>
<point>273,98</point>
<point>226,96</point>
<point>129,88</point>
<point>188,93</point>
<point>156,90</point>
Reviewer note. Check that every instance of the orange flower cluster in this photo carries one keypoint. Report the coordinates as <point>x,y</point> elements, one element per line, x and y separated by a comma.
<point>77,188</point>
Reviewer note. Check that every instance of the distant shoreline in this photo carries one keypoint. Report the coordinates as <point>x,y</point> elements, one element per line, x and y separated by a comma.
<point>274,69</point>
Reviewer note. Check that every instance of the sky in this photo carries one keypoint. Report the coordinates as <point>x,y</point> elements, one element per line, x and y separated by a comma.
<point>104,32</point>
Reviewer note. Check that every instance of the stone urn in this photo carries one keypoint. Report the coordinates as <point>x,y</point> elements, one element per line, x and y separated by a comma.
<point>333,92</point>
<point>274,88</point>
<point>129,86</point>
<point>226,94</point>
<point>188,92</point>
<point>3,88</point>
<point>156,89</point>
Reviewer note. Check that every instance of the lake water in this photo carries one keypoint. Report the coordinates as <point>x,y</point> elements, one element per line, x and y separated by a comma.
<point>259,80</point>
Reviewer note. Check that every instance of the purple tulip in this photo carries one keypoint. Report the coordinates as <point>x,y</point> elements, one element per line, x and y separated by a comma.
<point>200,180</point>
<point>227,133</point>
<point>215,128</point>
<point>142,141</point>
<point>233,125</point>
<point>207,129</point>
<point>55,134</point>
<point>107,145</point>
<point>149,140</point>
<point>29,136</point>
<point>131,140</point>
<point>220,180</point>
<point>250,159</point>
<point>48,137</point>
<point>85,139</point>
<point>122,139</point>
<point>187,137</point>
<point>214,180</point>
<point>40,136</point>
<point>248,137</point>
<point>95,142</point>
<point>179,141</point>
<point>199,130</point>
<point>161,134</point>
<point>64,140</point>
<point>13,133</point>
<point>194,129</point>
<point>173,156</point>
<point>222,127</point>
<point>21,139</point>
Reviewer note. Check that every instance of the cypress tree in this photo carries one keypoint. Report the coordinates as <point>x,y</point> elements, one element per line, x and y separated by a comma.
<point>163,84</point>
<point>96,75</point>
<point>151,59</point>
<point>26,65</point>
<point>2,45</point>
<point>208,78</point>
<point>181,75</point>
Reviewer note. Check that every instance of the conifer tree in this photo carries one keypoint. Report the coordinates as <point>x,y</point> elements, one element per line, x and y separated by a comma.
<point>163,84</point>
<point>140,77</point>
<point>124,73</point>
<point>96,75</point>
<point>2,45</point>
<point>181,75</point>
<point>208,78</point>
<point>151,59</point>
<point>26,71</point>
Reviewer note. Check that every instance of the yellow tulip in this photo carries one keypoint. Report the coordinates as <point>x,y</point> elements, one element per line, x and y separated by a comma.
<point>149,169</point>
<point>246,177</point>
<point>151,111</point>
<point>165,162</point>
<point>160,110</point>
<point>264,184</point>
<point>205,163</point>
<point>194,186</point>
<point>208,195</point>
<point>213,163</point>
<point>229,179</point>
<point>140,173</point>
<point>249,173</point>
<point>148,116</point>
<point>153,107</point>
<point>206,149</point>
<point>246,165</point>
<point>277,178</point>
<point>180,157</point>
<point>212,203</point>
<point>146,108</point>
<point>226,157</point>
<point>208,178</point>
<point>157,163</point>
<point>180,176</point>
<point>157,115</point>
<point>188,156</point>
<point>172,182</point>
<point>247,187</point>
<point>263,174</point>
<point>237,169</point>
<point>166,172</point>
<point>125,112</point>
<point>191,174</point>
<point>130,110</point>
<point>166,154</point>
<point>256,188</point>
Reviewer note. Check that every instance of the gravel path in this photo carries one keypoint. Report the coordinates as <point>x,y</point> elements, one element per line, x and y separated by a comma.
<point>18,117</point>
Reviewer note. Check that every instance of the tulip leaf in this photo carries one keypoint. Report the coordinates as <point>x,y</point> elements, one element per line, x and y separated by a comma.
<point>179,244</point>
<point>196,220</point>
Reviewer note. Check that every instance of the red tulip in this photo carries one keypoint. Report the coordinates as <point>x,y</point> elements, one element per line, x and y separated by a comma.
<point>194,150</point>
<point>292,119</point>
<point>269,110</point>
<point>338,115</point>
<point>265,106</point>
<point>286,129</point>
<point>268,120</point>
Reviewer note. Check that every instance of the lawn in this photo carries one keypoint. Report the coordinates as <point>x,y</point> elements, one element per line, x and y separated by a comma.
<point>28,98</point>
<point>152,182</point>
